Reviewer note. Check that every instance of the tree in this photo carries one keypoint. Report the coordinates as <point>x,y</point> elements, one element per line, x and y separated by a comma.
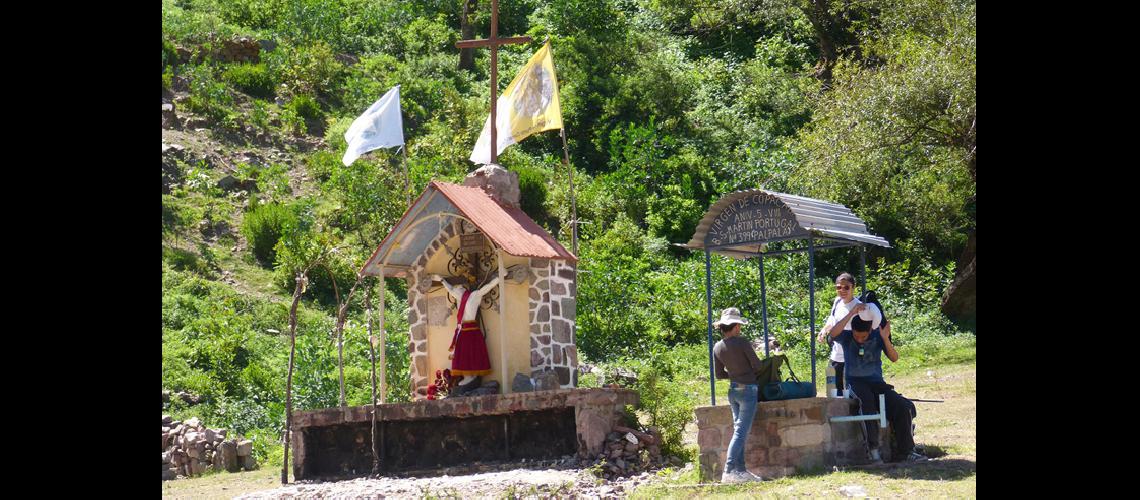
<point>897,142</point>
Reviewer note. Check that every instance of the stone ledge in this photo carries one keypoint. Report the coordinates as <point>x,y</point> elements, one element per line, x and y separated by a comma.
<point>494,404</point>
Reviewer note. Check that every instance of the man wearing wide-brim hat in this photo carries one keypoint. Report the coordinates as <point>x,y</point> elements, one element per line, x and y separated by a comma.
<point>734,359</point>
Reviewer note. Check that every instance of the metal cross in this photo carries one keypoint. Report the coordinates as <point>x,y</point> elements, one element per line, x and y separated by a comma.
<point>493,42</point>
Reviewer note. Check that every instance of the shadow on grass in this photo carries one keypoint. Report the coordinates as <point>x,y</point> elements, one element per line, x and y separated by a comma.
<point>943,469</point>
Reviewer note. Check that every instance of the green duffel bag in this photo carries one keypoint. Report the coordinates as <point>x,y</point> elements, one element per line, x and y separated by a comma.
<point>788,389</point>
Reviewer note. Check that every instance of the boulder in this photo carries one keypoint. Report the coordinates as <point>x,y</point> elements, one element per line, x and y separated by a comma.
<point>522,383</point>
<point>209,435</point>
<point>499,183</point>
<point>193,422</point>
<point>546,381</point>
<point>244,448</point>
<point>248,463</point>
<point>197,467</point>
<point>228,451</point>
<point>167,420</point>
<point>168,474</point>
<point>169,118</point>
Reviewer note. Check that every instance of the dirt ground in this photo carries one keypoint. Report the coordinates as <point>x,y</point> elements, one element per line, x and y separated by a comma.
<point>947,430</point>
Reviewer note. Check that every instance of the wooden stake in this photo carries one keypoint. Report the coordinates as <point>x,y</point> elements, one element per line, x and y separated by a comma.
<point>383,340</point>
<point>372,351</point>
<point>289,379</point>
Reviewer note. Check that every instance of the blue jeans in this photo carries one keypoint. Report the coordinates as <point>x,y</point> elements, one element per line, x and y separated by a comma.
<point>742,399</point>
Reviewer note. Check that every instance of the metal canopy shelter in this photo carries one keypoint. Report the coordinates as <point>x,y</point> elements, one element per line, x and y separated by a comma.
<point>742,224</point>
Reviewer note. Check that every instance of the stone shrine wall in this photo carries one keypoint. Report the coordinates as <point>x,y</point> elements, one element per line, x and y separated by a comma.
<point>786,437</point>
<point>552,320</point>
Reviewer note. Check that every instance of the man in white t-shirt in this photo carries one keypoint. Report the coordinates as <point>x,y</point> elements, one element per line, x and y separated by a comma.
<point>843,309</point>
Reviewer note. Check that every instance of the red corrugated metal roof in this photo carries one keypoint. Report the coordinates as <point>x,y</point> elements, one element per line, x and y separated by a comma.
<point>508,227</point>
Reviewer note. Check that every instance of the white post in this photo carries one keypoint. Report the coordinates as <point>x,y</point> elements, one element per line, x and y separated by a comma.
<point>503,382</point>
<point>383,342</point>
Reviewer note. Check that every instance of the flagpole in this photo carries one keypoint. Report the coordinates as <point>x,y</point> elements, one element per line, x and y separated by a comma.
<point>494,79</point>
<point>573,202</point>
<point>566,163</point>
<point>407,190</point>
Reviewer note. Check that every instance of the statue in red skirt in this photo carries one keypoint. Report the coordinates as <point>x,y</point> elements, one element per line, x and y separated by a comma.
<point>469,357</point>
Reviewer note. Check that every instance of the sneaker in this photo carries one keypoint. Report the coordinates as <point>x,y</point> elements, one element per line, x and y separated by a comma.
<point>750,477</point>
<point>732,477</point>
<point>916,457</point>
<point>875,457</point>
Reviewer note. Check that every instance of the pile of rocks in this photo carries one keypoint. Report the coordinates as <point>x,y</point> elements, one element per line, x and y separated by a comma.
<point>239,49</point>
<point>627,452</point>
<point>189,449</point>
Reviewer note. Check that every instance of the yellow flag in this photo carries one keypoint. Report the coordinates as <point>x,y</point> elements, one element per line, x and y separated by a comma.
<point>529,105</point>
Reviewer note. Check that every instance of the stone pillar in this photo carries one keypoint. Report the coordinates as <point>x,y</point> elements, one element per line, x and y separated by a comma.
<point>563,315</point>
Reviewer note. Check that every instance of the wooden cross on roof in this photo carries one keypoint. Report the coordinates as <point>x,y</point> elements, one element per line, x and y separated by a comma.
<point>493,42</point>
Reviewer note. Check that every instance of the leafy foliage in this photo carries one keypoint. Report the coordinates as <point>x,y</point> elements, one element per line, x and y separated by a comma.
<point>669,106</point>
<point>253,79</point>
<point>263,227</point>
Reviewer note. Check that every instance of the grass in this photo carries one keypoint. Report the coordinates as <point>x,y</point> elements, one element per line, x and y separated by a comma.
<point>223,484</point>
<point>948,430</point>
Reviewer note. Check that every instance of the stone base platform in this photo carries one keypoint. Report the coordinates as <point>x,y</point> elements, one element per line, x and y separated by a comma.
<point>453,432</point>
<point>786,437</point>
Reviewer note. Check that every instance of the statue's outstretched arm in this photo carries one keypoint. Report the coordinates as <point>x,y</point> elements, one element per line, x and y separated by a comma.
<point>458,294</point>
<point>486,288</point>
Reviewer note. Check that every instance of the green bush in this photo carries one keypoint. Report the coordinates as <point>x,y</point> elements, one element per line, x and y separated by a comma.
<point>169,55</point>
<point>669,408</point>
<point>253,79</point>
<point>307,70</point>
<point>208,96</point>
<point>306,107</point>
<point>262,227</point>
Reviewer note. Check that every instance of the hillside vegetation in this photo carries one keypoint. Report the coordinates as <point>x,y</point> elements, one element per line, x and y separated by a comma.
<point>668,107</point>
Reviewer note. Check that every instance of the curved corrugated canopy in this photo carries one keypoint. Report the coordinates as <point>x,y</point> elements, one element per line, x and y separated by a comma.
<point>740,222</point>
<point>508,227</point>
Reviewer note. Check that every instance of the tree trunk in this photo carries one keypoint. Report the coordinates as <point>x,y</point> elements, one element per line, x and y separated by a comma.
<point>467,32</point>
<point>960,302</point>
<point>341,316</point>
<point>825,26</point>
<point>289,379</point>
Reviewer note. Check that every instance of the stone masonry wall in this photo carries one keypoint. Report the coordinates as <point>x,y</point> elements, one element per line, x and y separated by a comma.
<point>552,319</point>
<point>597,412</point>
<point>786,437</point>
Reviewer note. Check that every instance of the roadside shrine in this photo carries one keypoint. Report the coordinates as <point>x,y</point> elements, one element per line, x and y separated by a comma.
<point>471,235</point>
<point>791,435</point>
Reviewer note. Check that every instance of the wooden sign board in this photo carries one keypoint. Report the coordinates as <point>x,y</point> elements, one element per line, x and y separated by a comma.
<point>471,243</point>
<point>754,219</point>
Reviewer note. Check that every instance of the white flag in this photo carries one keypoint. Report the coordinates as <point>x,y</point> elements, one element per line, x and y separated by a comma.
<point>379,127</point>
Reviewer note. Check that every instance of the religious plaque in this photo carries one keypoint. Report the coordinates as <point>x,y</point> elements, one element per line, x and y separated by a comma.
<point>471,243</point>
<point>754,219</point>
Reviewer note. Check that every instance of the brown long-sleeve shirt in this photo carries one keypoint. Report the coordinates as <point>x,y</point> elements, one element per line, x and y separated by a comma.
<point>736,355</point>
